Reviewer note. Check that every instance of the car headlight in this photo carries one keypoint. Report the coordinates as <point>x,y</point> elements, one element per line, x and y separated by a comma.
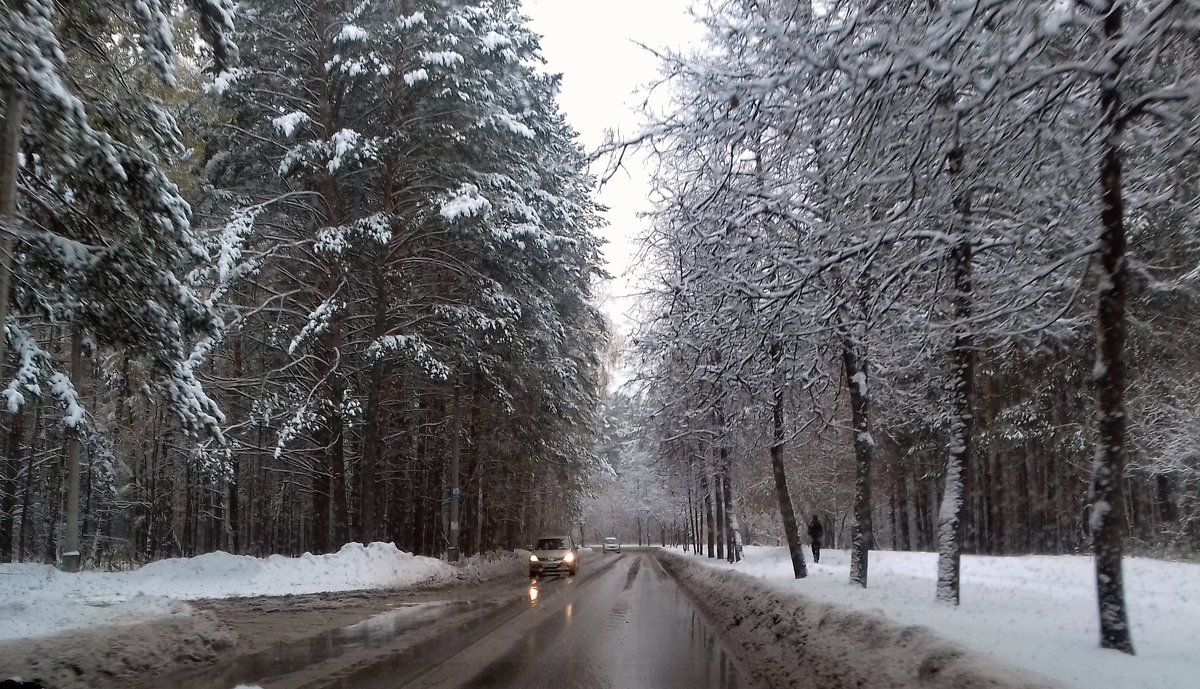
<point>533,558</point>
<point>569,557</point>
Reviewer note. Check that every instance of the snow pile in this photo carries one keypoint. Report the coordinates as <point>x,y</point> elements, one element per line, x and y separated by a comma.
<point>37,600</point>
<point>1037,613</point>
<point>119,656</point>
<point>798,642</point>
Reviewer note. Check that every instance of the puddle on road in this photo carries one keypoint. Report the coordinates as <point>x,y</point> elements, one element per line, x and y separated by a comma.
<point>719,668</point>
<point>284,658</point>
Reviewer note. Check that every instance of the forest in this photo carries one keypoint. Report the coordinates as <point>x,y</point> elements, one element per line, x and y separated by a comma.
<point>286,275</point>
<point>927,271</point>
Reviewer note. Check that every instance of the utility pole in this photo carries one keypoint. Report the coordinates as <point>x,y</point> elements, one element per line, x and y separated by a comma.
<point>455,492</point>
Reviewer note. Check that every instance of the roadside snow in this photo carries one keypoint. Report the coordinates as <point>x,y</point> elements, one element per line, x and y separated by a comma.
<point>38,600</point>
<point>1037,613</point>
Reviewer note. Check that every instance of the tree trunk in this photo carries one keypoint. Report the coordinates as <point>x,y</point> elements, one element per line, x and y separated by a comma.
<point>321,489</point>
<point>962,371</point>
<point>52,511</point>
<point>369,520</point>
<point>708,513</point>
<point>9,473</point>
<point>736,551</point>
<point>998,502</point>
<point>232,505</point>
<point>10,150</point>
<point>733,531</point>
<point>337,478</point>
<point>27,496</point>
<point>902,506</point>
<point>691,512</point>
<point>70,552</point>
<point>1107,514</point>
<point>788,514</point>
<point>855,366</point>
<point>477,458</point>
<point>722,533</point>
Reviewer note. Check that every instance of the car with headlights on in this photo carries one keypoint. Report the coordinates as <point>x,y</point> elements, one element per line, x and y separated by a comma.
<point>554,554</point>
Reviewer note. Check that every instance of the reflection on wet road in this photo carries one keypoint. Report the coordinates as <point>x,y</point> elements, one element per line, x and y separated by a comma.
<point>622,623</point>
<point>627,626</point>
<point>375,632</point>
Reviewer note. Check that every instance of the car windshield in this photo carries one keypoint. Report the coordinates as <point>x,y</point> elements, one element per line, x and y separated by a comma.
<point>553,544</point>
<point>610,540</point>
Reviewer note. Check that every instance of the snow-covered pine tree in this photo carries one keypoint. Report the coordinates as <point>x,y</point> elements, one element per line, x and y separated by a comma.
<point>94,233</point>
<point>461,199</point>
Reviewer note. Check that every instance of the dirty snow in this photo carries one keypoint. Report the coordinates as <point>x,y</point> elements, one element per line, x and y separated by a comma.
<point>122,656</point>
<point>37,600</point>
<point>1037,613</point>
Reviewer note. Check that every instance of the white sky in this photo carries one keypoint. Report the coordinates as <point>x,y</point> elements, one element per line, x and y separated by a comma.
<point>593,44</point>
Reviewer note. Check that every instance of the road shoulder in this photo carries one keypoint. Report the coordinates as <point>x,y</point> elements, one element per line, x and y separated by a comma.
<point>787,640</point>
<point>201,636</point>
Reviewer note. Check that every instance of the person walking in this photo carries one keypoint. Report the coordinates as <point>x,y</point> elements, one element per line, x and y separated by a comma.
<point>815,532</point>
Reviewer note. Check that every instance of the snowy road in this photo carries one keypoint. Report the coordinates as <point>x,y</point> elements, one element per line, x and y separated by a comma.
<point>627,625</point>
<point>622,622</point>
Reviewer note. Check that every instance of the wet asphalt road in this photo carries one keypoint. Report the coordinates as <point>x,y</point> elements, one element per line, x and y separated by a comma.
<point>623,623</point>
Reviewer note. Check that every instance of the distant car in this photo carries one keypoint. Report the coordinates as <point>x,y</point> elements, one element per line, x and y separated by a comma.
<point>612,545</point>
<point>554,554</point>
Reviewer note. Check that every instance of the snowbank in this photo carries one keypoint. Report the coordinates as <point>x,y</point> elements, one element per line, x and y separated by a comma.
<point>118,656</point>
<point>798,642</point>
<point>37,600</point>
<point>1037,613</point>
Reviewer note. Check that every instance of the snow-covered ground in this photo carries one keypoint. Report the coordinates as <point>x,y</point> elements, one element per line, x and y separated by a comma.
<point>1037,613</point>
<point>38,600</point>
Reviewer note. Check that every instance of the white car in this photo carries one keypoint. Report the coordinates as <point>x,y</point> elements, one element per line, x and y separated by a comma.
<point>612,545</point>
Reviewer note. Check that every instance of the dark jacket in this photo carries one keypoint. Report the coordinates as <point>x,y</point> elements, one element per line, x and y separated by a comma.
<point>815,530</point>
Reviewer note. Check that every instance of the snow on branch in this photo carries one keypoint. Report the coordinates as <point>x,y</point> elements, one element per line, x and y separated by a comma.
<point>467,203</point>
<point>32,361</point>
<point>287,124</point>
<point>416,348</point>
<point>63,391</point>
<point>318,322</point>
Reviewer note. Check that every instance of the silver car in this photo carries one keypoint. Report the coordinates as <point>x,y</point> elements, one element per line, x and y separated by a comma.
<point>612,545</point>
<point>554,554</point>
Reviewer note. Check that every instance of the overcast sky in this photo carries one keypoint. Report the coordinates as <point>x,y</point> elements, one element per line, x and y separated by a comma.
<point>593,44</point>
